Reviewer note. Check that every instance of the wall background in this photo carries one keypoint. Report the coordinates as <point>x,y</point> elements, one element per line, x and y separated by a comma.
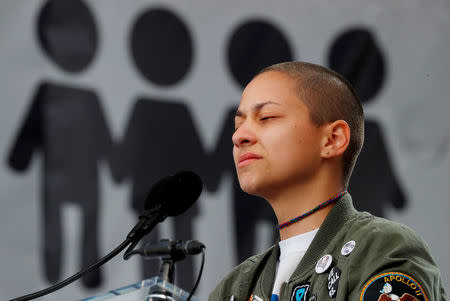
<point>406,102</point>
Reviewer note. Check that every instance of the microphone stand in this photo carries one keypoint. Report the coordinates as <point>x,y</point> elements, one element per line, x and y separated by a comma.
<point>167,270</point>
<point>167,273</point>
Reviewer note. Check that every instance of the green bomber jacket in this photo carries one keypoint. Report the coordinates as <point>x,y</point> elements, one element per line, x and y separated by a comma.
<point>381,260</point>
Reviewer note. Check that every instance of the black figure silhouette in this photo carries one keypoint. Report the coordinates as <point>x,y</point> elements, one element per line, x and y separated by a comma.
<point>66,125</point>
<point>373,185</point>
<point>160,137</point>
<point>254,44</point>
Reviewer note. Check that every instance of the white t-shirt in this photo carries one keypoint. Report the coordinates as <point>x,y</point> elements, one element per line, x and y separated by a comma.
<point>291,252</point>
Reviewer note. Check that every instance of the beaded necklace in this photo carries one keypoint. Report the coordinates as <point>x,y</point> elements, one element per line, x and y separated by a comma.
<point>323,205</point>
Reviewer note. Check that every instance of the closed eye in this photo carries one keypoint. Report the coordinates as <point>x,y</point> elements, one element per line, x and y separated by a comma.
<point>266,118</point>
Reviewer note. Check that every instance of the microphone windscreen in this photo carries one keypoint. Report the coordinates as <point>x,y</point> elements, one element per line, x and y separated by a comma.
<point>175,193</point>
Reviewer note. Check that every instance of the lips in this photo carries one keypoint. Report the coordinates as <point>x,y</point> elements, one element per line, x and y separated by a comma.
<point>247,158</point>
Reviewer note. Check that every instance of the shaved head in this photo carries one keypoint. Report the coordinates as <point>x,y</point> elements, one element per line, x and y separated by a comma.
<point>329,97</point>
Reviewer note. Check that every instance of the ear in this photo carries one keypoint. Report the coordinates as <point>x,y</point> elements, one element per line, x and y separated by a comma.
<point>336,139</point>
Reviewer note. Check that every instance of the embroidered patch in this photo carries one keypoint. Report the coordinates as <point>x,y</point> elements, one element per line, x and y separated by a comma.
<point>300,293</point>
<point>393,286</point>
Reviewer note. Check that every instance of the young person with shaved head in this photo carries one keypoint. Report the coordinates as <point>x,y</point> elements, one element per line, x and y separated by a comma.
<point>299,130</point>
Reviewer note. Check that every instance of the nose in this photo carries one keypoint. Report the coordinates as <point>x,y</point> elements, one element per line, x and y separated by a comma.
<point>243,136</point>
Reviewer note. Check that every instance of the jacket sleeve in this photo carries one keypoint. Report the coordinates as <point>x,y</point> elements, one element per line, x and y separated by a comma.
<point>394,254</point>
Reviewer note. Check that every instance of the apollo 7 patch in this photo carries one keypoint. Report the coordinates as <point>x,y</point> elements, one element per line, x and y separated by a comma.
<point>393,286</point>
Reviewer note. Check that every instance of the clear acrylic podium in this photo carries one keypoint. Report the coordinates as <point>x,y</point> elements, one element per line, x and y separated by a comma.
<point>152,289</point>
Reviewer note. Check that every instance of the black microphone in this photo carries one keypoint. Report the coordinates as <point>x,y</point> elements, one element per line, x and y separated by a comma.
<point>171,196</point>
<point>166,248</point>
<point>175,193</point>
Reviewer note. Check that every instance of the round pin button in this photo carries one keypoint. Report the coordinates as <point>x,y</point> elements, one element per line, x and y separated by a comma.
<point>324,263</point>
<point>348,247</point>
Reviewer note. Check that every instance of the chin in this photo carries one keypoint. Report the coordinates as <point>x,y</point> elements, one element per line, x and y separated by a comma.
<point>252,186</point>
<point>247,183</point>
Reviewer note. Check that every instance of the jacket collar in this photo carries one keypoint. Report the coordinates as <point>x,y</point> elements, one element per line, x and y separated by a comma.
<point>265,267</point>
<point>338,216</point>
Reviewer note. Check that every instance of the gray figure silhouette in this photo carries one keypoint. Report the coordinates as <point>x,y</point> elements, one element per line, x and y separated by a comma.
<point>356,55</point>
<point>160,138</point>
<point>66,125</point>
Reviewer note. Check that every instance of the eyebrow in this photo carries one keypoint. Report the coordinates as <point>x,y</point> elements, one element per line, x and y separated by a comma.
<point>257,107</point>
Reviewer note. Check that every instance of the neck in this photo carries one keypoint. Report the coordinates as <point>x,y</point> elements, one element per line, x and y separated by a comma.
<point>298,199</point>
